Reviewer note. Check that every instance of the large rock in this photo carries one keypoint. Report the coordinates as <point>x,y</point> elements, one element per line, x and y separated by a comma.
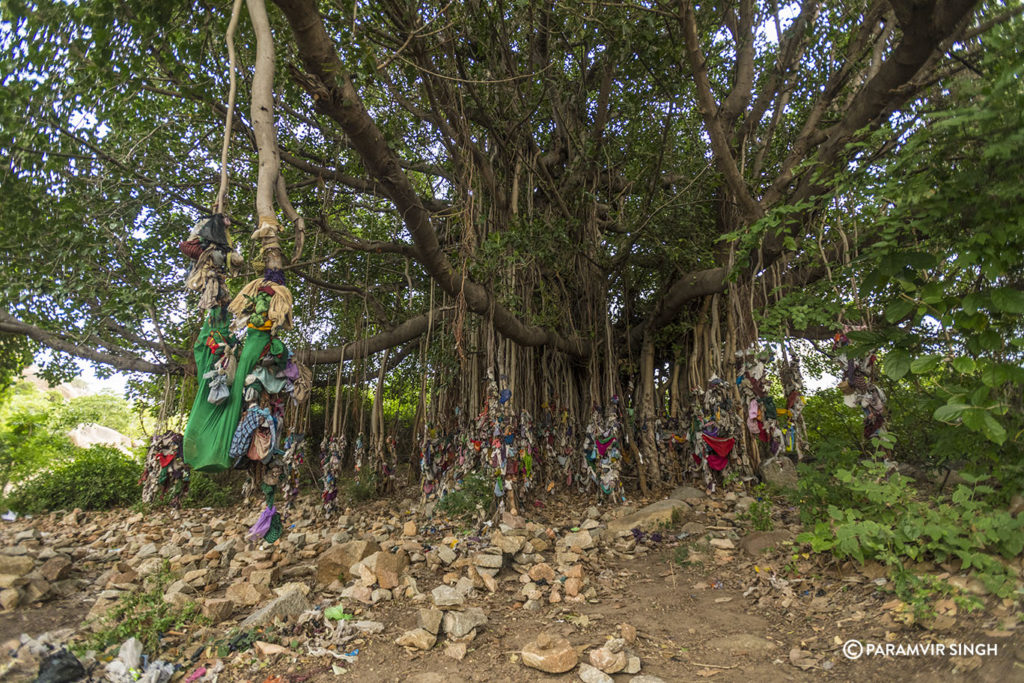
<point>288,605</point>
<point>387,567</point>
<point>608,661</point>
<point>510,545</point>
<point>430,619</point>
<point>687,493</point>
<point>652,515</point>
<point>218,609</point>
<point>459,624</point>
<point>550,654</point>
<point>15,565</point>
<point>336,561</point>
<point>418,638</point>
<point>580,539</point>
<point>446,596</point>
<point>245,593</point>
<point>9,599</point>
<point>779,471</point>
<point>56,568</point>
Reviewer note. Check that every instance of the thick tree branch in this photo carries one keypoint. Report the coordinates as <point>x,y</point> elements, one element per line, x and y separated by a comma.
<point>338,99</point>
<point>12,325</point>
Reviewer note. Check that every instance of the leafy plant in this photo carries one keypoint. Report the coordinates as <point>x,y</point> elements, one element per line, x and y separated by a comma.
<point>144,615</point>
<point>475,491</point>
<point>886,520</point>
<point>363,486</point>
<point>94,479</point>
<point>760,511</point>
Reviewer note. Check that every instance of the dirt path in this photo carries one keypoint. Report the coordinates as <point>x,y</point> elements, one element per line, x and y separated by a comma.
<point>703,612</point>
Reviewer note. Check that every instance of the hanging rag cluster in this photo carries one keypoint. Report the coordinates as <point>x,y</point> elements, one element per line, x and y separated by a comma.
<point>165,471</point>
<point>518,451</point>
<point>209,245</point>
<point>332,453</point>
<point>762,415</point>
<point>859,388</point>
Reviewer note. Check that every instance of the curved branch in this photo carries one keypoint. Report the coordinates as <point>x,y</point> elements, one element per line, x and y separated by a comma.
<point>12,325</point>
<point>407,331</point>
<point>337,98</point>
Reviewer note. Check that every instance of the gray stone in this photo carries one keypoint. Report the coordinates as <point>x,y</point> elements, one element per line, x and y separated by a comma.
<point>779,471</point>
<point>632,665</point>
<point>445,554</point>
<point>368,626</point>
<point>430,619</point>
<point>459,624</point>
<point>580,539</point>
<point>687,493</point>
<point>148,550</point>
<point>646,679</point>
<point>446,596</point>
<point>288,605</point>
<point>652,515</point>
<point>590,674</point>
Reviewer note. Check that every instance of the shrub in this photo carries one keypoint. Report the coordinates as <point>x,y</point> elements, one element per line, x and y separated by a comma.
<point>96,478</point>
<point>363,486</point>
<point>474,491</point>
<point>144,615</point>
<point>220,490</point>
<point>886,519</point>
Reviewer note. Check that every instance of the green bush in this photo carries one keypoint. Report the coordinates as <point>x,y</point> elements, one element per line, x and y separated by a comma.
<point>475,491</point>
<point>883,517</point>
<point>363,486</point>
<point>96,478</point>
<point>143,615</point>
<point>220,490</point>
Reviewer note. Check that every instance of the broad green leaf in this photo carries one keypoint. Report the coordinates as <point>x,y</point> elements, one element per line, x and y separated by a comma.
<point>897,364</point>
<point>925,364</point>
<point>964,365</point>
<point>1008,300</point>
<point>897,310</point>
<point>949,413</point>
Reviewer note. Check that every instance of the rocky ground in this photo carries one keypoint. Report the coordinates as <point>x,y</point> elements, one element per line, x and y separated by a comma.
<point>671,590</point>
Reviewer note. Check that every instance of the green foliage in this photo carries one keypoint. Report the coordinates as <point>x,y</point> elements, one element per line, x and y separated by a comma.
<point>475,492</point>
<point>102,409</point>
<point>33,427</point>
<point>760,511</point>
<point>363,486</point>
<point>143,615</point>
<point>94,479</point>
<point>881,516</point>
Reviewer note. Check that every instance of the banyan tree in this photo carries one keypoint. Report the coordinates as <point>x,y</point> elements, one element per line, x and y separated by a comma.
<point>570,224</point>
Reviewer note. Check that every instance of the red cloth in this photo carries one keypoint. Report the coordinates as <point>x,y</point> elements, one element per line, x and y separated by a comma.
<point>191,248</point>
<point>721,448</point>
<point>166,458</point>
<point>791,399</point>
